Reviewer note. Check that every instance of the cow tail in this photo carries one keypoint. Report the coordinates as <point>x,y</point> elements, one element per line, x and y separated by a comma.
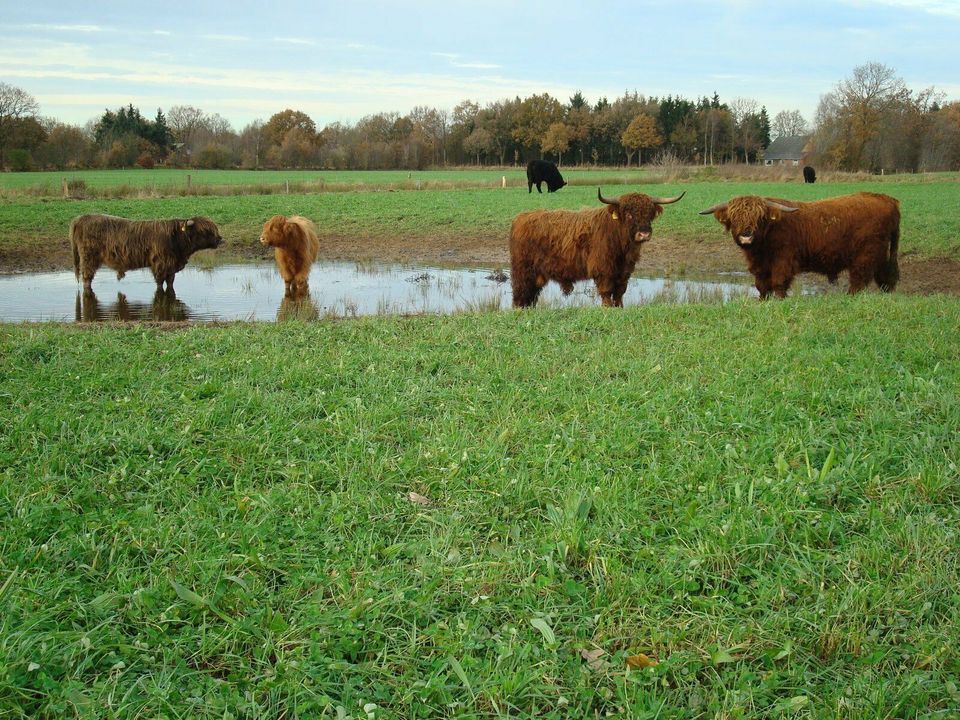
<point>76,251</point>
<point>891,272</point>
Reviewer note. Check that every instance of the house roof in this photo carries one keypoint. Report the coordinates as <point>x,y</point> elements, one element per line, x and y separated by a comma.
<point>786,148</point>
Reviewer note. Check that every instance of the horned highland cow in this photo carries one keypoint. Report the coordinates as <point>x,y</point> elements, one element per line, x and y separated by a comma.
<point>858,233</point>
<point>164,246</point>
<point>295,245</point>
<point>602,244</point>
<point>543,171</point>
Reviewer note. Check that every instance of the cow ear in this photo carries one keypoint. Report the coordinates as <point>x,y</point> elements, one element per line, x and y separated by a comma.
<point>774,215</point>
<point>614,211</point>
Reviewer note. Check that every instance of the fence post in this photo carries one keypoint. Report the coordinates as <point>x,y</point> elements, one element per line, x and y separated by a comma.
<point>188,181</point>
<point>288,186</point>
<point>503,181</point>
<point>66,190</point>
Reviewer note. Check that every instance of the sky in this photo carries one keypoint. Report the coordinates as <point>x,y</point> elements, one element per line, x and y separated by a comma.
<point>340,61</point>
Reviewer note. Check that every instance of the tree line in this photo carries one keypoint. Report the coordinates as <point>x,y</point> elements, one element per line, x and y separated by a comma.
<point>870,121</point>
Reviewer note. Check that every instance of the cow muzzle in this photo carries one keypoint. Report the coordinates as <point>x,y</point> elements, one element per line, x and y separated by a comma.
<point>642,236</point>
<point>745,240</point>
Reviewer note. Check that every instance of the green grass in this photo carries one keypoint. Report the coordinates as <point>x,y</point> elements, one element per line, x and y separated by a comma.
<point>215,521</point>
<point>930,225</point>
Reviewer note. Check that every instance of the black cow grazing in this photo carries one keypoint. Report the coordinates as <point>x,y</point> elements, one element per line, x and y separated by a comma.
<point>543,171</point>
<point>809,174</point>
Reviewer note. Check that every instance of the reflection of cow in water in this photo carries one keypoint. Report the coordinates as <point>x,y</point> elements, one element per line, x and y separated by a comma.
<point>300,308</point>
<point>164,308</point>
<point>543,171</point>
<point>809,174</point>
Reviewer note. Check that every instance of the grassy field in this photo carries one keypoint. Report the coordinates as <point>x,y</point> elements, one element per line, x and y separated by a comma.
<point>172,181</point>
<point>930,226</point>
<point>718,511</point>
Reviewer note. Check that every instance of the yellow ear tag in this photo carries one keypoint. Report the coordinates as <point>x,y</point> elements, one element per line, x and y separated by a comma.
<point>614,215</point>
<point>183,228</point>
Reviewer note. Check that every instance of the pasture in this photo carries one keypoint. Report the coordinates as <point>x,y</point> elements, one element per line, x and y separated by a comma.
<point>746,510</point>
<point>468,224</point>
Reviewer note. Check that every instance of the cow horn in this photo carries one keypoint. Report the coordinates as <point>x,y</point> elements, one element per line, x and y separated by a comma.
<point>667,201</point>
<point>602,199</point>
<point>778,206</point>
<point>712,210</point>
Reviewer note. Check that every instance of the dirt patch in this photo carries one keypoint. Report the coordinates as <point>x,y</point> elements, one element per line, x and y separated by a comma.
<point>662,256</point>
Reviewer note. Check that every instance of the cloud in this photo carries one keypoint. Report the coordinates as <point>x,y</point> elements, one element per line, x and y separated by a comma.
<point>476,65</point>
<point>70,28</point>
<point>949,8</point>
<point>294,41</point>
<point>226,38</point>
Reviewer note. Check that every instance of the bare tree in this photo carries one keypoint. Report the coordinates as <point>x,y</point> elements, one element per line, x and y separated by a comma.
<point>16,105</point>
<point>788,123</point>
<point>743,110</point>
<point>184,121</point>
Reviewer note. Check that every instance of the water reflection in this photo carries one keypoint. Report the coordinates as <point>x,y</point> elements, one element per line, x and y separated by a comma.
<point>299,307</point>
<point>165,307</point>
<point>345,289</point>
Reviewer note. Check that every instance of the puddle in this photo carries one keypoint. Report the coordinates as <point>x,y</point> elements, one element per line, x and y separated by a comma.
<point>346,289</point>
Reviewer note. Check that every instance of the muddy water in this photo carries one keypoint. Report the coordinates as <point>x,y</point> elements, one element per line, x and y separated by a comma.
<point>255,292</point>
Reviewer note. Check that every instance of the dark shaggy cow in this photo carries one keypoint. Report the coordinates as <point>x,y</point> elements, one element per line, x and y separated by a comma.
<point>566,246</point>
<point>543,171</point>
<point>809,174</point>
<point>780,238</point>
<point>164,246</point>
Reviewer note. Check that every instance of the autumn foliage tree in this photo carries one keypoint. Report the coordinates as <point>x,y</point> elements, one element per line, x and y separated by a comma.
<point>557,139</point>
<point>641,133</point>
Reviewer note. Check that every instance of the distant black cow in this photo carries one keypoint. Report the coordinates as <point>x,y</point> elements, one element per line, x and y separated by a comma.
<point>809,174</point>
<point>539,171</point>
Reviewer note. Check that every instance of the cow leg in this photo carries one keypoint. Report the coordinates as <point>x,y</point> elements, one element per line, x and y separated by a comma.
<point>538,189</point>
<point>763,285</point>
<point>619,291</point>
<point>858,282</point>
<point>607,289</point>
<point>781,285</point>
<point>526,287</point>
<point>529,187</point>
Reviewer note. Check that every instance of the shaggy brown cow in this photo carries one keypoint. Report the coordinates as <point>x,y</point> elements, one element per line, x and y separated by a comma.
<point>566,246</point>
<point>295,244</point>
<point>164,246</point>
<point>780,238</point>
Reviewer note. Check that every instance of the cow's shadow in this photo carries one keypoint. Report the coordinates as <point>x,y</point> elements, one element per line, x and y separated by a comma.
<point>165,307</point>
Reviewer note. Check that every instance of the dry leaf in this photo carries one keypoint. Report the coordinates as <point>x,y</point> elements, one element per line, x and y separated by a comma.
<point>593,658</point>
<point>418,498</point>
<point>640,661</point>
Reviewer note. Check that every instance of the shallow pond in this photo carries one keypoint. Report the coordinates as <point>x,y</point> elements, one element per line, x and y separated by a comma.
<point>255,292</point>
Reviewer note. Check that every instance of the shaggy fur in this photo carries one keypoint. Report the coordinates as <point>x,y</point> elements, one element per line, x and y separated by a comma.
<point>858,233</point>
<point>809,174</point>
<point>565,246</point>
<point>164,246</point>
<point>543,171</point>
<point>295,244</point>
